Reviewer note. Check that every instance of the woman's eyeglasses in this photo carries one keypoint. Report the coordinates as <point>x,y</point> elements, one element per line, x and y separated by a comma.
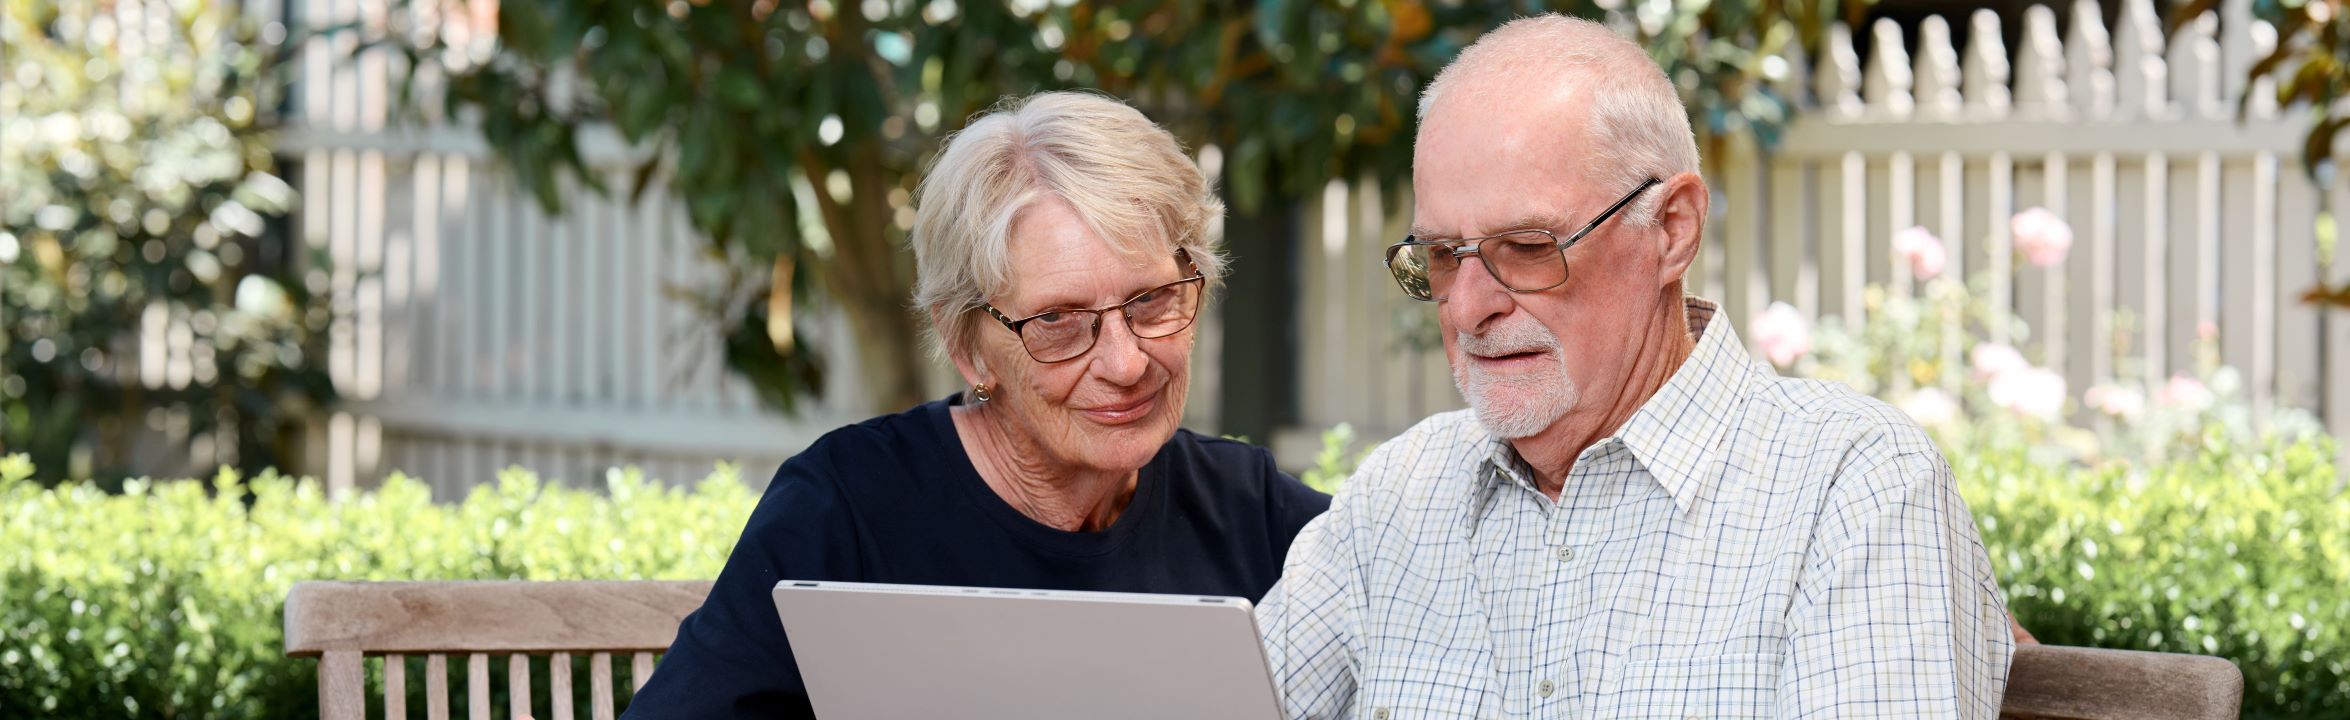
<point>1061,335</point>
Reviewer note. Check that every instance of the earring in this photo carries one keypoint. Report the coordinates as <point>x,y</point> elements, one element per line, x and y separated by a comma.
<point>979,394</point>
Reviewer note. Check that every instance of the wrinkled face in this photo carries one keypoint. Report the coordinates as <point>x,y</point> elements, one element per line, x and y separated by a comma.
<point>1526,360</point>
<point>1111,408</point>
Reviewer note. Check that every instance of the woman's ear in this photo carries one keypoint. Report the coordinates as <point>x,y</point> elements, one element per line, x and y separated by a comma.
<point>967,364</point>
<point>1682,204</point>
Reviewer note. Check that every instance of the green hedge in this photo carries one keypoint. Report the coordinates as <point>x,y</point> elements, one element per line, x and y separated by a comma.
<point>163,601</point>
<point>2240,554</point>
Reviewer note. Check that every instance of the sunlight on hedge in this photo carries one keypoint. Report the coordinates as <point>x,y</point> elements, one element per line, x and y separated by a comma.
<point>164,600</point>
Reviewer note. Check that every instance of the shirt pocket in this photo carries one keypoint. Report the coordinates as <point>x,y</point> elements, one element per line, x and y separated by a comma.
<point>1723,686</point>
<point>1409,687</point>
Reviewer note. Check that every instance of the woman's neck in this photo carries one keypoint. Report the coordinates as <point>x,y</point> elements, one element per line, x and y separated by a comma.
<point>1018,471</point>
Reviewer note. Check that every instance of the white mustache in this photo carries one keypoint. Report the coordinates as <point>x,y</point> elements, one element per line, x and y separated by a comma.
<point>1508,339</point>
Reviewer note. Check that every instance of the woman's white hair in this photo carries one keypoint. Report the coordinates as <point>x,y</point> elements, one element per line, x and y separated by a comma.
<point>1128,180</point>
<point>1634,120</point>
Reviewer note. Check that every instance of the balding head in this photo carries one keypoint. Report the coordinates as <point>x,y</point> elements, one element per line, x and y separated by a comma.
<point>1632,121</point>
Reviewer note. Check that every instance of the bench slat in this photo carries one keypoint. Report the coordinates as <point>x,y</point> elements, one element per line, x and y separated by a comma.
<point>436,687</point>
<point>640,669</point>
<point>342,686</point>
<point>518,686</point>
<point>477,686</point>
<point>530,617</point>
<point>559,685</point>
<point>600,686</point>
<point>2051,681</point>
<point>395,687</point>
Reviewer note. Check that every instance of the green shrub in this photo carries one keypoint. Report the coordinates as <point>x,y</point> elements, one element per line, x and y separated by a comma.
<point>164,600</point>
<point>2243,553</point>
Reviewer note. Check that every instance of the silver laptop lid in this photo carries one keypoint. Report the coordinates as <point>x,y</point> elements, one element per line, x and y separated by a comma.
<point>870,651</point>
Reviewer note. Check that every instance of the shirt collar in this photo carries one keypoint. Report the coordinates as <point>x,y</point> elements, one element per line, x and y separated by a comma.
<point>1676,435</point>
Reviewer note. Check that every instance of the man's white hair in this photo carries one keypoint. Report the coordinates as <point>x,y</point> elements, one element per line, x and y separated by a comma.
<point>1634,120</point>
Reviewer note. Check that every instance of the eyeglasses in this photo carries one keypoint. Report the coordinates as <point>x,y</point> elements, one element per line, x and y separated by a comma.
<point>1062,335</point>
<point>1524,261</point>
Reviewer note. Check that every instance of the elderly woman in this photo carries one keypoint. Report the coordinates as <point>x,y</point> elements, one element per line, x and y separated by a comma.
<point>1062,255</point>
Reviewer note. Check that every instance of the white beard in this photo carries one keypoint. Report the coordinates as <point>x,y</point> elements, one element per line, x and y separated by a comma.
<point>1520,405</point>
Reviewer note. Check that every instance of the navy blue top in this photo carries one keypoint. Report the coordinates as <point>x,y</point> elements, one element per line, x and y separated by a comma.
<point>895,500</point>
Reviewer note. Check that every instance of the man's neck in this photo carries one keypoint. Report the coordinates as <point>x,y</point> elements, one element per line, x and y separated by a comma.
<point>1551,453</point>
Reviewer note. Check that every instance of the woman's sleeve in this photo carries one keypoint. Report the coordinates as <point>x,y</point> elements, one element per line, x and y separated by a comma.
<point>731,659</point>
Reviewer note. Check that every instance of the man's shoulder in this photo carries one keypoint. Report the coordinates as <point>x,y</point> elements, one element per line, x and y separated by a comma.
<point>1833,414</point>
<point>1859,452</point>
<point>1429,463</point>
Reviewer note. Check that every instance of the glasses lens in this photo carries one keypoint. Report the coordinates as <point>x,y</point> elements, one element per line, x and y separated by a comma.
<point>1165,310</point>
<point>1057,336</point>
<point>1419,269</point>
<point>1524,261</point>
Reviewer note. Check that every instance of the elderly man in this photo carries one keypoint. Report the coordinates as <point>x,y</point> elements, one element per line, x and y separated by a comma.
<point>1635,519</point>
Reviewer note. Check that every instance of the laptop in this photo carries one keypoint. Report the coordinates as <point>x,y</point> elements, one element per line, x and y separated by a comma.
<point>872,651</point>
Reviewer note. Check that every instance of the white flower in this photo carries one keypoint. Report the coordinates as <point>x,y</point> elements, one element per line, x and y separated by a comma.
<point>1991,360</point>
<point>1931,407</point>
<point>1922,250</point>
<point>2041,236</point>
<point>1783,333</point>
<point>2029,391</point>
<point>2116,400</point>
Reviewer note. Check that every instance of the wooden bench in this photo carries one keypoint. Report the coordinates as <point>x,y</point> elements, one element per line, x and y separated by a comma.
<point>343,623</point>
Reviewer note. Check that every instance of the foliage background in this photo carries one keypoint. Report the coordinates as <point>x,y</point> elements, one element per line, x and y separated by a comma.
<point>795,132</point>
<point>136,195</point>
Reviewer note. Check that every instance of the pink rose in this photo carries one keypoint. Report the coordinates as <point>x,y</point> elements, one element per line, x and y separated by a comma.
<point>2185,393</point>
<point>1923,251</point>
<point>2041,236</point>
<point>1783,333</point>
<point>2115,400</point>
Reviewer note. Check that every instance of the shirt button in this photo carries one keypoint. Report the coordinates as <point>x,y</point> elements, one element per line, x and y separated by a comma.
<point>1566,554</point>
<point>1544,689</point>
<point>1379,714</point>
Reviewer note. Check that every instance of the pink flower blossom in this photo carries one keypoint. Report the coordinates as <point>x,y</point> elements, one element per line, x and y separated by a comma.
<point>2041,236</point>
<point>2115,400</point>
<point>1783,333</point>
<point>1924,252</point>
<point>2185,393</point>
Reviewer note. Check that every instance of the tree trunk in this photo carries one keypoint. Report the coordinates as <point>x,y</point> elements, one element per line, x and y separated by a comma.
<point>1259,390</point>
<point>889,357</point>
<point>867,274</point>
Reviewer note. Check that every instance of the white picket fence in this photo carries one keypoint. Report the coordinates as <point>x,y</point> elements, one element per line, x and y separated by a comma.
<point>475,332</point>
<point>2184,218</point>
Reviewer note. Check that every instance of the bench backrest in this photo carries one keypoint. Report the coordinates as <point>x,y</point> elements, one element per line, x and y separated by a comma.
<point>343,623</point>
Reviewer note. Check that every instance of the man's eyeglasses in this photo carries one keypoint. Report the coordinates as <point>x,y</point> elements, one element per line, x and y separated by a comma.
<point>1524,261</point>
<point>1062,335</point>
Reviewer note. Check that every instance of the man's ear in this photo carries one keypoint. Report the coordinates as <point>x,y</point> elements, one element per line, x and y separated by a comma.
<point>1682,204</point>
